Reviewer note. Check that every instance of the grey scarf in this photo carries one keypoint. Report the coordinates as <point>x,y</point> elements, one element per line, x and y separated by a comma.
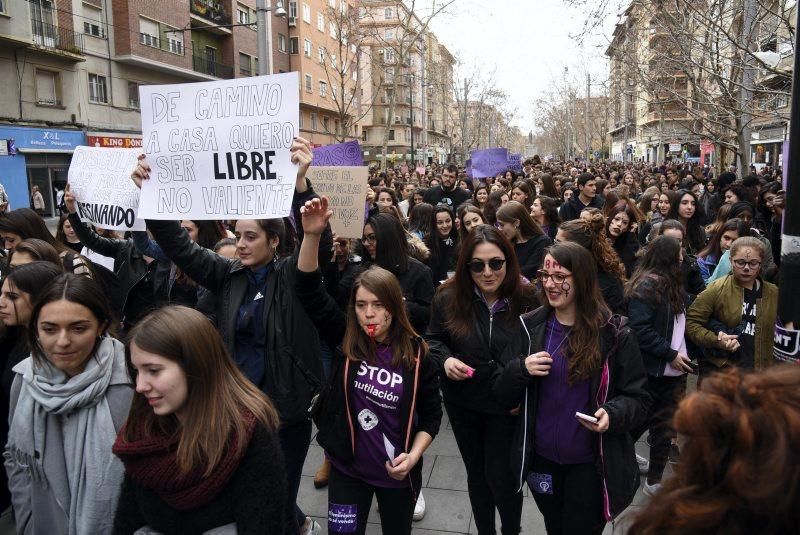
<point>53,405</point>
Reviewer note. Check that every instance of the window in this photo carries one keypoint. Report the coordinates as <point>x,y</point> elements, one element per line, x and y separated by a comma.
<point>242,14</point>
<point>292,9</point>
<point>2,6</point>
<point>97,89</point>
<point>388,13</point>
<point>321,22</point>
<point>300,120</point>
<point>322,55</point>
<point>364,135</point>
<point>323,89</point>
<point>47,88</point>
<point>174,41</point>
<point>281,42</point>
<point>332,28</point>
<point>309,86</point>
<point>294,46</point>
<point>313,122</point>
<point>391,135</point>
<point>332,4</point>
<point>333,92</point>
<point>354,75</point>
<point>92,24</point>
<point>93,29</point>
<point>133,95</point>
<point>148,32</point>
<point>388,55</point>
<point>307,13</point>
<point>388,34</point>
<point>307,47</point>
<point>255,66</point>
<point>326,124</point>
<point>245,64</point>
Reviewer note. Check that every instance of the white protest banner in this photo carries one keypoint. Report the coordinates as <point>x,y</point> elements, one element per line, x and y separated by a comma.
<point>346,189</point>
<point>220,150</point>
<point>100,179</point>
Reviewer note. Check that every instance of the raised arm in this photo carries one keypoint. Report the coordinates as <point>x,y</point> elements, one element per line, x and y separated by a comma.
<point>89,238</point>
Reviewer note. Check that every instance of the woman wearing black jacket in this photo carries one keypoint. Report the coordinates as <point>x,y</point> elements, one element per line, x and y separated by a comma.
<point>528,238</point>
<point>443,243</point>
<point>383,406</point>
<point>657,305</point>
<point>260,319</point>
<point>136,274</point>
<point>571,356</point>
<point>472,318</point>
<point>621,233</point>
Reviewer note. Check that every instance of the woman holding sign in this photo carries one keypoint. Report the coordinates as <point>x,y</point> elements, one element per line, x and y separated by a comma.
<point>383,407</point>
<point>264,326</point>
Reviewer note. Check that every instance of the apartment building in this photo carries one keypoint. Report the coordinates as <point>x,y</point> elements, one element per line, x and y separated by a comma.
<point>437,144</point>
<point>328,63</point>
<point>76,67</point>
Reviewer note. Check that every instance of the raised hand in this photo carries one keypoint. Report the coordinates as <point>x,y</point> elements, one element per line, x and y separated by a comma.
<point>142,171</point>
<point>315,216</point>
<point>69,200</point>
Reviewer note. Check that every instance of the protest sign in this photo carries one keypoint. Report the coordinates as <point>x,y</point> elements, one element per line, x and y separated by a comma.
<point>338,155</point>
<point>346,189</point>
<point>489,162</point>
<point>220,150</point>
<point>515,162</point>
<point>100,179</point>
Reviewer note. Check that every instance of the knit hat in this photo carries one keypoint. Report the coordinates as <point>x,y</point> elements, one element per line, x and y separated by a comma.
<point>740,207</point>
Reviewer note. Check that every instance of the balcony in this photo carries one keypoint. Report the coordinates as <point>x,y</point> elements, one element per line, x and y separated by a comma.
<point>203,64</point>
<point>209,13</point>
<point>60,41</point>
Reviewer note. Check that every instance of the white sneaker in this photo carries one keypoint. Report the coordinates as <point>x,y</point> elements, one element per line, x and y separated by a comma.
<point>644,464</point>
<point>313,527</point>
<point>651,490</point>
<point>419,508</point>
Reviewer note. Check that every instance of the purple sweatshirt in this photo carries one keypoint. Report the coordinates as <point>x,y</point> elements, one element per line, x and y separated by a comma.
<point>375,399</point>
<point>559,436</point>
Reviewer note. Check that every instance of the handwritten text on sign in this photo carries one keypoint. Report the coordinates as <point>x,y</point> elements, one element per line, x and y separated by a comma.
<point>100,179</point>
<point>346,189</point>
<point>220,150</point>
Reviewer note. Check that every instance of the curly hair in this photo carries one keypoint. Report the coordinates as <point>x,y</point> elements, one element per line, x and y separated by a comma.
<point>739,471</point>
<point>590,233</point>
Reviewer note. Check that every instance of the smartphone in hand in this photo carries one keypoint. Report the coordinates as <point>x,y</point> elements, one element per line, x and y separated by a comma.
<point>586,417</point>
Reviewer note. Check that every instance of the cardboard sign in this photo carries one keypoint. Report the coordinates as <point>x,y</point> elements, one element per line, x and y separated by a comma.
<point>220,150</point>
<point>346,190</point>
<point>101,181</point>
<point>338,155</point>
<point>489,162</point>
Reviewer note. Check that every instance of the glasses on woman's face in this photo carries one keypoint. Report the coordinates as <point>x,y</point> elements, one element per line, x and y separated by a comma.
<point>558,278</point>
<point>369,239</point>
<point>741,264</point>
<point>495,264</point>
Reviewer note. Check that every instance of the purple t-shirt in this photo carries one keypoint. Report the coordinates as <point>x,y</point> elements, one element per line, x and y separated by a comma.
<point>559,436</point>
<point>375,399</point>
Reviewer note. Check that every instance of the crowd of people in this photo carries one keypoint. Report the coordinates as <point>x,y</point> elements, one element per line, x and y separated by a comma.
<point>166,381</point>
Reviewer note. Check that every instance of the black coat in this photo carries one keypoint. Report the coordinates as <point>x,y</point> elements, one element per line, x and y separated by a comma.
<point>482,349</point>
<point>626,246</point>
<point>130,268</point>
<point>626,401</point>
<point>653,321</point>
<point>530,255</point>
<point>572,208</point>
<point>422,408</point>
<point>254,498</point>
<point>454,198</point>
<point>613,292</point>
<point>292,358</point>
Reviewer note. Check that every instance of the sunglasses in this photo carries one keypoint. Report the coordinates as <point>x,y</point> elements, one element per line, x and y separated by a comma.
<point>495,264</point>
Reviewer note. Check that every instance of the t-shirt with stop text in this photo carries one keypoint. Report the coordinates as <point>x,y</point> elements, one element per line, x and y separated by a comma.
<point>375,396</point>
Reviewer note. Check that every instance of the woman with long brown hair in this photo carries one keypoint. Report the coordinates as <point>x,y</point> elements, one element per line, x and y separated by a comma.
<point>382,407</point>
<point>516,223</point>
<point>200,445</point>
<point>577,375</point>
<point>739,468</point>
<point>472,317</point>
<point>589,232</point>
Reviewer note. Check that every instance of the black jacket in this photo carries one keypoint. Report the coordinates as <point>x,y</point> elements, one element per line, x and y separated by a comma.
<point>653,321</point>
<point>292,359</point>
<point>613,292</point>
<point>334,416</point>
<point>130,268</point>
<point>572,209</point>
<point>254,498</point>
<point>618,387</point>
<point>453,199</point>
<point>482,349</point>
<point>530,255</point>
<point>417,285</point>
<point>626,246</point>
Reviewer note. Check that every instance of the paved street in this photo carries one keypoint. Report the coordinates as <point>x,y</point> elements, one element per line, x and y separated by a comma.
<point>445,483</point>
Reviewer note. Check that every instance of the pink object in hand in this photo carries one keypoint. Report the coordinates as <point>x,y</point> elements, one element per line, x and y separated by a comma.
<point>470,371</point>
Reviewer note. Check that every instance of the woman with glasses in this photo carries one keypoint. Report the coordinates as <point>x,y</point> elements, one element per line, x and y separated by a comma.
<point>472,318</point>
<point>734,318</point>
<point>577,375</point>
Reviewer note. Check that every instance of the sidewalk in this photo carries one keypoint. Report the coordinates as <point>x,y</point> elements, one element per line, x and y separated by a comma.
<point>445,489</point>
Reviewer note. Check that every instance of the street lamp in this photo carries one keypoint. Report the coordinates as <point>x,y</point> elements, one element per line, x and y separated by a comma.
<point>263,34</point>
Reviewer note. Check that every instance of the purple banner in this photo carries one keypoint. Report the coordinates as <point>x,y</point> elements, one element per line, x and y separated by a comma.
<point>341,154</point>
<point>489,162</point>
<point>515,162</point>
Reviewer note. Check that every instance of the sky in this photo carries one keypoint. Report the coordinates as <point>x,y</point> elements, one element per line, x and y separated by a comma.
<point>529,43</point>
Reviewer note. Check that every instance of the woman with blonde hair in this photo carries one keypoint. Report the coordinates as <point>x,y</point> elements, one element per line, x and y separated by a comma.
<point>200,446</point>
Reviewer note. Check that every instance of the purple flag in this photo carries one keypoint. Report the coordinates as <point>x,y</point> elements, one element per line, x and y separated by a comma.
<point>489,162</point>
<point>341,154</point>
<point>515,162</point>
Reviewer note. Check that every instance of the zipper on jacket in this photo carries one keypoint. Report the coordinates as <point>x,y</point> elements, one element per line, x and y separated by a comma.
<point>524,415</point>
